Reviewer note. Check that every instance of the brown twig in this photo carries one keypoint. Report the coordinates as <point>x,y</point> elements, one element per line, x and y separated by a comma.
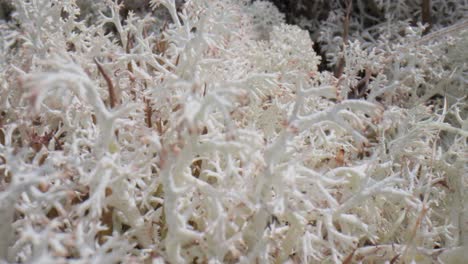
<point>394,259</point>
<point>417,225</point>
<point>128,49</point>
<point>148,112</point>
<point>349,258</point>
<point>110,85</point>
<point>341,63</point>
<point>426,15</point>
<point>360,89</point>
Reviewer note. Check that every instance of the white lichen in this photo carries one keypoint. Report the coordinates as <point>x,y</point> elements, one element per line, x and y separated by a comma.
<point>204,132</point>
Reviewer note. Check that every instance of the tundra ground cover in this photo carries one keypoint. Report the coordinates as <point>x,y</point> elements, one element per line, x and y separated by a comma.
<point>211,131</point>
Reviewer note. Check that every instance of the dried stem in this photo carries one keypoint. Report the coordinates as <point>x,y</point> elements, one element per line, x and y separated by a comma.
<point>426,14</point>
<point>110,86</point>
<point>360,89</point>
<point>341,63</point>
<point>128,49</point>
<point>415,228</point>
<point>148,112</point>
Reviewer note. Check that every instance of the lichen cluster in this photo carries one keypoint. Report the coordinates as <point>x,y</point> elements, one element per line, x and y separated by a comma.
<point>210,131</point>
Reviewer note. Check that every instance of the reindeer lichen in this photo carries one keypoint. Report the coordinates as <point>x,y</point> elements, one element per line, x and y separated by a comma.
<point>210,131</point>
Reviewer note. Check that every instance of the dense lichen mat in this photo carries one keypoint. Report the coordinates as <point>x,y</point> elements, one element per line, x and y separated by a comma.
<point>212,131</point>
